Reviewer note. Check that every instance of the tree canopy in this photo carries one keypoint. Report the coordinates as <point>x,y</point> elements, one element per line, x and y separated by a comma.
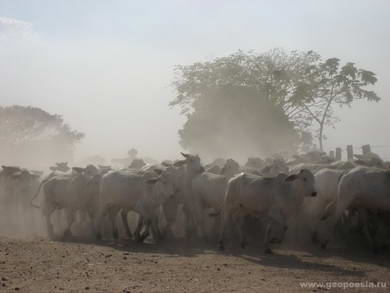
<point>234,106</point>
<point>28,132</point>
<point>263,103</point>
<point>328,84</point>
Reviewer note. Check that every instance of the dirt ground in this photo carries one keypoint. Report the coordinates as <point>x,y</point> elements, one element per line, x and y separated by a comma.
<point>40,265</point>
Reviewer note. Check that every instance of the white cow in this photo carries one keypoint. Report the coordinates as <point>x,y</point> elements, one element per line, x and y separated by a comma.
<point>170,206</point>
<point>129,190</point>
<point>230,168</point>
<point>314,208</point>
<point>361,188</point>
<point>205,190</point>
<point>72,192</point>
<point>278,198</point>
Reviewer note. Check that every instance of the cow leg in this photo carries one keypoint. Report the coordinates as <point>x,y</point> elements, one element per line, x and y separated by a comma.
<point>267,248</point>
<point>239,220</point>
<point>153,227</point>
<point>147,227</point>
<point>190,222</point>
<point>366,229</point>
<point>91,217</point>
<point>330,223</point>
<point>70,216</point>
<point>125,222</point>
<point>199,217</point>
<point>226,222</point>
<point>112,217</point>
<point>137,232</point>
<point>48,210</point>
<point>202,227</point>
<point>170,213</point>
<point>216,227</point>
<point>99,221</point>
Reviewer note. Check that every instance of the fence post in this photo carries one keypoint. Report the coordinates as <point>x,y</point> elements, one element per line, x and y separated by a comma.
<point>366,149</point>
<point>350,152</point>
<point>331,155</point>
<point>338,154</point>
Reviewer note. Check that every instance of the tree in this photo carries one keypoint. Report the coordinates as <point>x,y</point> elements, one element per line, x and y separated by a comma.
<point>326,84</point>
<point>301,84</point>
<point>28,133</point>
<point>234,105</point>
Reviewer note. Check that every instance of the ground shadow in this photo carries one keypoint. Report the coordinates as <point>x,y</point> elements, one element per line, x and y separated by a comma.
<point>171,248</point>
<point>193,248</point>
<point>293,262</point>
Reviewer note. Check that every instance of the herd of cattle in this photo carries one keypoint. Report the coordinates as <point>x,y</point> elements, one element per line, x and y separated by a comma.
<point>309,194</point>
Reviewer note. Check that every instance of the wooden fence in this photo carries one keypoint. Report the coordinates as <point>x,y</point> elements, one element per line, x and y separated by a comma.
<point>337,154</point>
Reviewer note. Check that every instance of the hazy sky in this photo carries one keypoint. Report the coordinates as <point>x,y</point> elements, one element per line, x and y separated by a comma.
<point>106,66</point>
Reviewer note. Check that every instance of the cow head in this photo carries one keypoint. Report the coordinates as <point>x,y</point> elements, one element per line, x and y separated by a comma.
<point>10,170</point>
<point>62,167</point>
<point>254,162</point>
<point>163,184</point>
<point>230,168</point>
<point>91,171</point>
<point>303,182</point>
<point>137,164</point>
<point>78,170</point>
<point>167,163</point>
<point>192,163</point>
<point>104,169</point>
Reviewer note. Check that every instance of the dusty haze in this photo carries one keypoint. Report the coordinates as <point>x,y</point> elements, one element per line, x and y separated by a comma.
<point>107,66</point>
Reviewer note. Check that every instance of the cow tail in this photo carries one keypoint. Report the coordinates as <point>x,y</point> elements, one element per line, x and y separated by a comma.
<point>36,194</point>
<point>333,204</point>
<point>341,176</point>
<point>215,214</point>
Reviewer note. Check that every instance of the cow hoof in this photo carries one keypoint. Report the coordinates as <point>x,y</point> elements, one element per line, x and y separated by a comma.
<point>324,245</point>
<point>52,237</point>
<point>115,235</point>
<point>67,234</point>
<point>221,246</point>
<point>159,237</point>
<point>314,237</point>
<point>243,245</point>
<point>268,251</point>
<point>143,236</point>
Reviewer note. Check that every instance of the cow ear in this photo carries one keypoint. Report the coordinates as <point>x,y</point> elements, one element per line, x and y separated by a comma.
<point>291,178</point>
<point>158,171</point>
<point>187,156</point>
<point>152,180</point>
<point>166,164</point>
<point>179,163</point>
<point>78,169</point>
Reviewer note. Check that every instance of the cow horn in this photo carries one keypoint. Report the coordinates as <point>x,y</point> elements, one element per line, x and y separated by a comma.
<point>152,180</point>
<point>291,178</point>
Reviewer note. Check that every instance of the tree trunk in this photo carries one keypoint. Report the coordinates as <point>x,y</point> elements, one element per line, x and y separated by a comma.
<point>321,137</point>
